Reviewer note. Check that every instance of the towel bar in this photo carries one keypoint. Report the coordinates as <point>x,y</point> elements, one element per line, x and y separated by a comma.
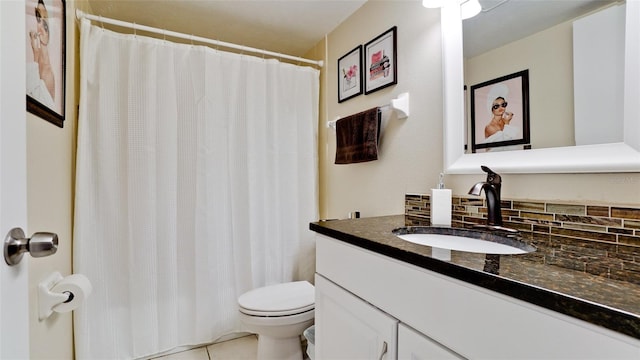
<point>400,105</point>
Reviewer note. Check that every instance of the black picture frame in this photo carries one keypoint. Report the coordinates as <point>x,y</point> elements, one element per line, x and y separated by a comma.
<point>493,124</point>
<point>350,74</point>
<point>46,59</point>
<point>381,67</point>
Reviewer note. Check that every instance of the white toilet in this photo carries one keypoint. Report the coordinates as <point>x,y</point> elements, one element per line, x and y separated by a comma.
<point>278,314</point>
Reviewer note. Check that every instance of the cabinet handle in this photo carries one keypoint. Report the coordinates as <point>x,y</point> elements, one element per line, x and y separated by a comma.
<point>384,350</point>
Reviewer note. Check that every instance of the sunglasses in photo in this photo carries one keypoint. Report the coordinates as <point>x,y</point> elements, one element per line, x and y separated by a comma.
<point>496,106</point>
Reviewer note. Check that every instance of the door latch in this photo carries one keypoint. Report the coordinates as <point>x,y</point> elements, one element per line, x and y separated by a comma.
<point>40,244</point>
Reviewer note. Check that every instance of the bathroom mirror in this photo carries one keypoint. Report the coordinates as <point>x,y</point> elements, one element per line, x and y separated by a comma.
<point>613,157</point>
<point>546,37</point>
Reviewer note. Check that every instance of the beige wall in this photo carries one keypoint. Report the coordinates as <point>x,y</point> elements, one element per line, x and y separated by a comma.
<point>548,55</point>
<point>411,149</point>
<point>50,179</point>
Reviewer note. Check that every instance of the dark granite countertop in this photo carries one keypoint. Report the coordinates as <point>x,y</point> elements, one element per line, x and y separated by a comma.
<point>601,301</point>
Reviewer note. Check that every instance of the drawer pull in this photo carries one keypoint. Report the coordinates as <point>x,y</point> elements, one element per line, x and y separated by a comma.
<point>384,350</point>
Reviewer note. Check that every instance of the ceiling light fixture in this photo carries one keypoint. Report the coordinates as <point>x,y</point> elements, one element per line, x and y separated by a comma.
<point>468,8</point>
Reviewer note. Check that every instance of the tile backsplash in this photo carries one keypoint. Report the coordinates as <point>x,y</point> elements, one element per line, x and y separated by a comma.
<point>603,240</point>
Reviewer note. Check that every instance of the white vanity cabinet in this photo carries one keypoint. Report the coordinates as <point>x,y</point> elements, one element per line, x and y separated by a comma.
<point>444,317</point>
<point>413,345</point>
<point>350,327</point>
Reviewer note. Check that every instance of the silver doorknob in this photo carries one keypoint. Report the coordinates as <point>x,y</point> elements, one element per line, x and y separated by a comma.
<point>39,245</point>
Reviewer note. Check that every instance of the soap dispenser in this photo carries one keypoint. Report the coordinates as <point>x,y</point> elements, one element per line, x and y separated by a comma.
<point>441,204</point>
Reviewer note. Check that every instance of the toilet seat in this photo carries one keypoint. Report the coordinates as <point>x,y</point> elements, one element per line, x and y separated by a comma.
<point>278,314</point>
<point>278,300</point>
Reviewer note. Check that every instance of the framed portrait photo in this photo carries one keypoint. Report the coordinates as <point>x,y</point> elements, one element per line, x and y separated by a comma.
<point>500,113</point>
<point>380,62</point>
<point>45,60</point>
<point>350,74</point>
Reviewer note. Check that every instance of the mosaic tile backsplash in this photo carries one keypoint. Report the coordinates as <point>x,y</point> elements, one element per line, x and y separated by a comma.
<point>597,239</point>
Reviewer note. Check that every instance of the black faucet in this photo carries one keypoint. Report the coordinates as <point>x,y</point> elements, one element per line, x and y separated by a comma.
<point>491,189</point>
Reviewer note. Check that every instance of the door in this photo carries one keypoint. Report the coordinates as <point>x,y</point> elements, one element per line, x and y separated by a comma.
<point>349,328</point>
<point>415,346</point>
<point>14,303</point>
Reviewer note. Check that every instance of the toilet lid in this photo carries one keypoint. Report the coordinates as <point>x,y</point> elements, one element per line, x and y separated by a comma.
<point>278,300</point>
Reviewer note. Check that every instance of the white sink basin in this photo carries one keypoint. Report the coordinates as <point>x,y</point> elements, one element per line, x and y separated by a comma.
<point>464,240</point>
<point>452,242</point>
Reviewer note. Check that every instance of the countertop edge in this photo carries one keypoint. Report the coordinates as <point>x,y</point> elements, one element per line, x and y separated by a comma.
<point>598,314</point>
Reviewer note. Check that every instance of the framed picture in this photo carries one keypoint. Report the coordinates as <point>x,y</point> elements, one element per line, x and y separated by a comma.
<point>466,119</point>
<point>500,113</point>
<point>45,67</point>
<point>380,62</point>
<point>350,74</point>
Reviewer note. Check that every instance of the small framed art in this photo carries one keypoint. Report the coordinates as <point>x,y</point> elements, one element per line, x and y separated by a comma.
<point>45,59</point>
<point>380,62</point>
<point>350,74</point>
<point>500,112</point>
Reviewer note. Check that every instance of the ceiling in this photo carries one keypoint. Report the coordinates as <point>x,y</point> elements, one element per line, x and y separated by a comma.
<point>295,26</point>
<point>502,22</point>
<point>290,27</point>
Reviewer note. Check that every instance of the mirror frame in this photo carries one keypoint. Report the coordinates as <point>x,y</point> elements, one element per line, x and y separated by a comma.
<point>614,157</point>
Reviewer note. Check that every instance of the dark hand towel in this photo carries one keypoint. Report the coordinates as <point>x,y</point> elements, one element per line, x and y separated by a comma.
<point>357,137</point>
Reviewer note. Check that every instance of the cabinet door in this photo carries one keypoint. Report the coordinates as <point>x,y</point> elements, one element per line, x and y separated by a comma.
<point>413,345</point>
<point>349,328</point>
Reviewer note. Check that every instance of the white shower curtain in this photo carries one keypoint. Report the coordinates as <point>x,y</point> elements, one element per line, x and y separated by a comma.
<point>196,181</point>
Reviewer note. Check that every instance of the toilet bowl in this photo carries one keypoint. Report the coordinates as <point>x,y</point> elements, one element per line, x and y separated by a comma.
<point>278,314</point>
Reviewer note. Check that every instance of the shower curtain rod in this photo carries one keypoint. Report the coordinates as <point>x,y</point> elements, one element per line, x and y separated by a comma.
<point>81,14</point>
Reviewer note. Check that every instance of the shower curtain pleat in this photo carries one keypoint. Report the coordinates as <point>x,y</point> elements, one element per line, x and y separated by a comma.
<point>196,180</point>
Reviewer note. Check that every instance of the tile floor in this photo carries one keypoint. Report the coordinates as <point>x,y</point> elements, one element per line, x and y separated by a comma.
<point>244,348</point>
